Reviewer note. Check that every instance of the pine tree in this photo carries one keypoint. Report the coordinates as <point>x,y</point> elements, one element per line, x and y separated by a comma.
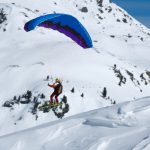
<point>2,16</point>
<point>72,90</point>
<point>47,78</point>
<point>104,93</point>
<point>14,98</point>
<point>82,95</point>
<point>42,96</point>
<point>29,94</point>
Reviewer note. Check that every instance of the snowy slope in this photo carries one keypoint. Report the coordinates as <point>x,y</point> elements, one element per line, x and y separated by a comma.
<point>123,126</point>
<point>116,50</point>
<point>27,58</point>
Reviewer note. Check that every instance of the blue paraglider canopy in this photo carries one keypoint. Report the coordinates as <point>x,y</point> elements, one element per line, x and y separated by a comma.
<point>65,24</point>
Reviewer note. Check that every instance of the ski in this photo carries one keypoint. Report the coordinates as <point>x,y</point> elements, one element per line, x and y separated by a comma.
<point>47,106</point>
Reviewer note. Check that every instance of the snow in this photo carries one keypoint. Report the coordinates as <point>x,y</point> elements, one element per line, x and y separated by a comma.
<point>92,123</point>
<point>122,126</point>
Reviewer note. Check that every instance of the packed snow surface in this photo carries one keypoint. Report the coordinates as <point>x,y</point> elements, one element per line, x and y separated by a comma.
<point>123,126</point>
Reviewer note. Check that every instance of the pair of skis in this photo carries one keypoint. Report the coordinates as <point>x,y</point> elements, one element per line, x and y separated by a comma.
<point>47,106</point>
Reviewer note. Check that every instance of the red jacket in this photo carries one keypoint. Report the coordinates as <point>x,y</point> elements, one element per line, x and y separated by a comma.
<point>57,87</point>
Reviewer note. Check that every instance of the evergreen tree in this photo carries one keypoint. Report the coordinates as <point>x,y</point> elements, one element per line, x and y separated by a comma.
<point>82,95</point>
<point>2,16</point>
<point>72,90</point>
<point>104,93</point>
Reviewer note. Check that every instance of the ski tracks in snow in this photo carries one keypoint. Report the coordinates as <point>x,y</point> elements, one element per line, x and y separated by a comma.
<point>144,144</point>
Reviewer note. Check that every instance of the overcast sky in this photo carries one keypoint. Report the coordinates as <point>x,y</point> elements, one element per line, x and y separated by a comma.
<point>139,9</point>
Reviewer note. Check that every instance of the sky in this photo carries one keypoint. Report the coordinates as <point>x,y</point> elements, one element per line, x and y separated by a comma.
<point>139,9</point>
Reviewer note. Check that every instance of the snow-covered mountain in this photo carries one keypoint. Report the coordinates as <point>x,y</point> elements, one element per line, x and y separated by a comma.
<point>118,61</point>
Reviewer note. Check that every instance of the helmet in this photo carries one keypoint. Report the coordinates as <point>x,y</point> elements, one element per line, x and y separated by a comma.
<point>57,80</point>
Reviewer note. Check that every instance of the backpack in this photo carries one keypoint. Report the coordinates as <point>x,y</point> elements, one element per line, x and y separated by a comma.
<point>60,89</point>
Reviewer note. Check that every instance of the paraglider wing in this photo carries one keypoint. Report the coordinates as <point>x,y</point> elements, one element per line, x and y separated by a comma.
<point>65,24</point>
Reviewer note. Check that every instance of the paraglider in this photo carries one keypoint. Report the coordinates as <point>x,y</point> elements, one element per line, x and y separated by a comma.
<point>64,23</point>
<point>57,86</point>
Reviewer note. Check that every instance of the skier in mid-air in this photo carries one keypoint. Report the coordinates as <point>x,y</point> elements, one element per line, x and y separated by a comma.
<point>57,91</point>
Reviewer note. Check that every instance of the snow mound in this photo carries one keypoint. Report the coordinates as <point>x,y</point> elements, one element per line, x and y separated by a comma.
<point>105,128</point>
